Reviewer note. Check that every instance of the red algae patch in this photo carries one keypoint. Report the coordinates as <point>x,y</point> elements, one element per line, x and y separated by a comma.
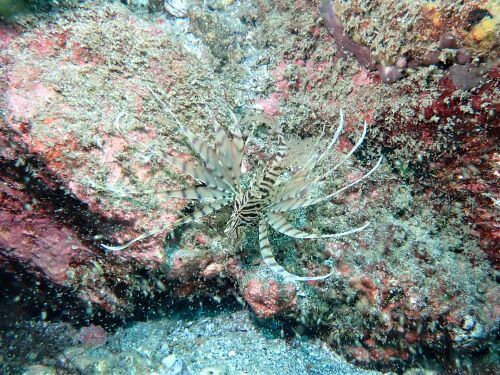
<point>269,299</point>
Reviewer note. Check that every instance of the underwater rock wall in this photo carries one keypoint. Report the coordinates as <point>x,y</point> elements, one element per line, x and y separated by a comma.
<point>419,279</point>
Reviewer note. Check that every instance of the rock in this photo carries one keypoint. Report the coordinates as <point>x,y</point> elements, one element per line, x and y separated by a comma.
<point>345,44</point>
<point>376,37</point>
<point>151,5</point>
<point>404,285</point>
<point>466,77</point>
<point>390,74</point>
<point>269,299</point>
<point>463,57</point>
<point>64,193</point>
<point>172,365</point>
<point>93,335</point>
<point>448,40</point>
<point>177,8</point>
<point>40,370</point>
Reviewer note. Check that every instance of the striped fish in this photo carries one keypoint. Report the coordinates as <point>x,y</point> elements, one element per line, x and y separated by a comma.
<point>264,203</point>
<point>248,207</point>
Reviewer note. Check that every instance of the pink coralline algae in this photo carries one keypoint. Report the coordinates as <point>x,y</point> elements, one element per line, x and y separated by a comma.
<point>93,335</point>
<point>32,235</point>
<point>50,218</point>
<point>268,298</point>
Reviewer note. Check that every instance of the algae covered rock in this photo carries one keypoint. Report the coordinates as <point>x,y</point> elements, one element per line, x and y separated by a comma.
<point>83,136</point>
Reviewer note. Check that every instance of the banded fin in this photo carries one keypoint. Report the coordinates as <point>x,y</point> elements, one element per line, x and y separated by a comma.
<point>207,153</point>
<point>197,193</point>
<point>206,210</point>
<point>279,224</point>
<point>299,181</point>
<point>294,203</point>
<point>198,172</point>
<point>237,149</point>
<point>225,150</point>
<point>270,261</point>
<point>210,157</point>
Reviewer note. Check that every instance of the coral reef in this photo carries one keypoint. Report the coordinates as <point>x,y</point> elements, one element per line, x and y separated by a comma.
<point>417,285</point>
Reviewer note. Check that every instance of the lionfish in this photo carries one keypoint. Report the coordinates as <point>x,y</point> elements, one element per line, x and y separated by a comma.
<point>265,202</point>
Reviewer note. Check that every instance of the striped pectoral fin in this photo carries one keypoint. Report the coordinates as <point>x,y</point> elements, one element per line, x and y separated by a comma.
<point>224,148</point>
<point>207,153</point>
<point>198,193</point>
<point>237,158</point>
<point>237,149</point>
<point>198,172</point>
<point>209,156</point>
<point>279,224</point>
<point>296,185</point>
<point>270,261</point>
<point>207,209</point>
<point>232,149</point>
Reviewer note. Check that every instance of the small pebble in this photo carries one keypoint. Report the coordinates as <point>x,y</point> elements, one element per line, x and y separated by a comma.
<point>174,365</point>
<point>431,58</point>
<point>463,57</point>
<point>448,40</point>
<point>169,360</point>
<point>390,74</point>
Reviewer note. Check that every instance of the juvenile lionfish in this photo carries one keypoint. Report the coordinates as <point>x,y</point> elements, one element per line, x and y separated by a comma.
<point>265,202</point>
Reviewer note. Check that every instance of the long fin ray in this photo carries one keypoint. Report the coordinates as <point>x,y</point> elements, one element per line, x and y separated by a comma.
<point>312,163</point>
<point>279,224</point>
<point>294,203</point>
<point>207,153</point>
<point>270,261</point>
<point>305,185</point>
<point>345,158</point>
<point>197,193</point>
<point>299,181</point>
<point>138,238</point>
<point>206,210</point>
